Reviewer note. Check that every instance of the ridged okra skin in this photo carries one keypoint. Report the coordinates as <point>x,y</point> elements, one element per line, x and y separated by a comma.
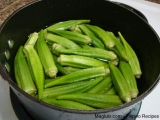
<point>36,68</point>
<point>129,77</point>
<point>46,57</point>
<point>102,86</point>
<point>80,61</point>
<point>51,38</point>
<point>23,74</point>
<point>76,37</point>
<point>120,83</point>
<point>95,41</point>
<point>132,57</point>
<point>76,87</point>
<point>80,75</point>
<point>64,25</point>
<point>93,99</point>
<point>102,35</point>
<point>68,104</point>
<point>91,52</point>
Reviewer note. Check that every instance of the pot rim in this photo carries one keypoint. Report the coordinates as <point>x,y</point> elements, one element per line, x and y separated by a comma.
<point>135,101</point>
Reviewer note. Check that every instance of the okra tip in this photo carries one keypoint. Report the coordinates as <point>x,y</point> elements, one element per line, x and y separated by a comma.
<point>134,94</point>
<point>127,99</point>
<point>52,73</point>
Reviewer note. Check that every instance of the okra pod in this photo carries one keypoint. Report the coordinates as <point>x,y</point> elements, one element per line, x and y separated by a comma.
<point>71,69</point>
<point>79,61</point>
<point>95,41</point>
<point>22,73</point>
<point>102,35</point>
<point>46,57</point>
<point>119,48</point>
<point>80,75</point>
<point>91,52</point>
<point>64,25</point>
<point>132,57</point>
<point>77,87</point>
<point>61,40</point>
<point>76,37</point>
<point>68,104</point>
<point>120,83</point>
<point>112,91</point>
<point>93,99</point>
<point>101,87</point>
<point>35,67</point>
<point>32,39</point>
<point>129,77</point>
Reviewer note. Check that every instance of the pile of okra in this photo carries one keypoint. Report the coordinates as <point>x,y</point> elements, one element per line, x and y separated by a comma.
<point>77,65</point>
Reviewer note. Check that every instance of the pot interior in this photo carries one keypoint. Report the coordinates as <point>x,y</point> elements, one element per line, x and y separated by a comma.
<point>107,15</point>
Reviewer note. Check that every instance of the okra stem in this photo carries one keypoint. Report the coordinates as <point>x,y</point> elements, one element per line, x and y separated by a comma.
<point>132,57</point>
<point>46,57</point>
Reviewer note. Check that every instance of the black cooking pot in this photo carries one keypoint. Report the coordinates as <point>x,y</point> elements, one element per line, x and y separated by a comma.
<point>110,16</point>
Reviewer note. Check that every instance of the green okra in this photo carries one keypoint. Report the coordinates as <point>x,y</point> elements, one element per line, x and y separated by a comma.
<point>32,39</point>
<point>46,57</point>
<point>79,61</point>
<point>22,73</point>
<point>102,35</point>
<point>61,40</point>
<point>59,67</point>
<point>95,100</point>
<point>68,104</point>
<point>80,75</point>
<point>95,41</point>
<point>119,48</point>
<point>132,57</point>
<point>64,25</point>
<point>129,77</point>
<point>91,52</point>
<point>120,83</point>
<point>76,37</point>
<point>77,87</point>
<point>112,91</point>
<point>35,67</point>
<point>99,88</point>
<point>71,69</point>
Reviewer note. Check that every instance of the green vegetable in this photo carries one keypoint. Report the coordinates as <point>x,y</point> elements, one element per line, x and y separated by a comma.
<point>74,36</point>
<point>46,57</point>
<point>22,73</point>
<point>129,77</point>
<point>99,88</point>
<point>71,69</point>
<point>91,52</point>
<point>102,35</point>
<point>80,75</point>
<point>120,83</point>
<point>77,87</point>
<point>64,25</point>
<point>68,104</point>
<point>95,41</point>
<point>32,39</point>
<point>35,67</point>
<point>79,61</point>
<point>93,99</point>
<point>49,37</point>
<point>119,48</point>
<point>112,91</point>
<point>56,48</point>
<point>132,57</point>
